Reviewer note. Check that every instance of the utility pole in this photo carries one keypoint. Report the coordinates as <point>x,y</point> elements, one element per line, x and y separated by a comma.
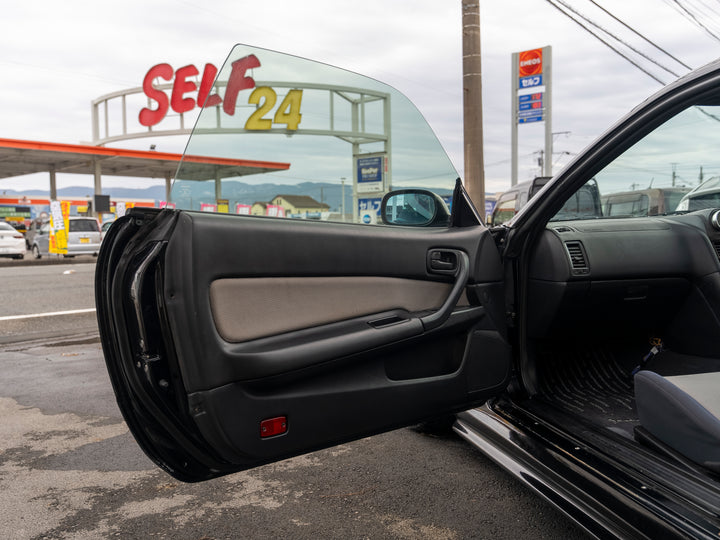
<point>472,105</point>
<point>342,198</point>
<point>674,173</point>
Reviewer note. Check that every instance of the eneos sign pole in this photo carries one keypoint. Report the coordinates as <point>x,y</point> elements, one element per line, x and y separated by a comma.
<point>531,98</point>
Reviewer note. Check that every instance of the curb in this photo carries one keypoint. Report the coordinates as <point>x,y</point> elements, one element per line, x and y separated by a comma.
<point>29,260</point>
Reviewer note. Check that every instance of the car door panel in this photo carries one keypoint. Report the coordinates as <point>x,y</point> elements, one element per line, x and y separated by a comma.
<point>324,300</point>
<point>220,323</point>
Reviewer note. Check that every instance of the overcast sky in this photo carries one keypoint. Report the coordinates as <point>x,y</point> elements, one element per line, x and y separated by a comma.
<point>56,57</point>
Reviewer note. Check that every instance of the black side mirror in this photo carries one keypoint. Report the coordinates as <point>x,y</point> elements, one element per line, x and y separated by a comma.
<point>414,208</point>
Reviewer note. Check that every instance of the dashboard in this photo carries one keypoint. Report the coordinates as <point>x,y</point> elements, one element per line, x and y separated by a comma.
<point>613,277</point>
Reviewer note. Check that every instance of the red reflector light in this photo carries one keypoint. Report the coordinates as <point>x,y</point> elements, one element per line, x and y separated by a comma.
<point>273,426</point>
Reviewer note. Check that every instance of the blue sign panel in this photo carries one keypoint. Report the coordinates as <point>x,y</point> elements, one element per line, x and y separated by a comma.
<point>529,82</point>
<point>489,207</point>
<point>370,169</point>
<point>530,119</point>
<point>366,205</point>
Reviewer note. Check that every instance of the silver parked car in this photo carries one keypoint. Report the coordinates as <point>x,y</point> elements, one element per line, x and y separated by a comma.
<point>83,238</point>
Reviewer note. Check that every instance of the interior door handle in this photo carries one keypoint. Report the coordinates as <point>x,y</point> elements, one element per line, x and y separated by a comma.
<point>442,261</point>
<point>462,271</point>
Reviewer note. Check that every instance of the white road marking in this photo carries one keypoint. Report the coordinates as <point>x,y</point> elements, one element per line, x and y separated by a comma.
<point>50,314</point>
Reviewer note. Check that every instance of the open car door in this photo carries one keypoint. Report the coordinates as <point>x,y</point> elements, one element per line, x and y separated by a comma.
<point>234,339</point>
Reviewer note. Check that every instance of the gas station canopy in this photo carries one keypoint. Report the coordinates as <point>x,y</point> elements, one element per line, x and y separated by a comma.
<point>19,157</point>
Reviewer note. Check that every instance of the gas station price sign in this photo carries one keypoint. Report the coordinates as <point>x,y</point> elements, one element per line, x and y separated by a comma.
<point>530,87</point>
<point>531,99</point>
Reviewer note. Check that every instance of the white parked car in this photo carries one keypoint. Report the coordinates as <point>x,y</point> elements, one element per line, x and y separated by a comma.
<point>706,195</point>
<point>12,242</point>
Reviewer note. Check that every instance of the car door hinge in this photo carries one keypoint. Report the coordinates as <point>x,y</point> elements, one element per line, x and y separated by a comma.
<point>511,318</point>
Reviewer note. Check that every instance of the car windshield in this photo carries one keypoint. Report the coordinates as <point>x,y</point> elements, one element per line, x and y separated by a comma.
<point>286,137</point>
<point>702,201</point>
<point>658,172</point>
<point>83,225</point>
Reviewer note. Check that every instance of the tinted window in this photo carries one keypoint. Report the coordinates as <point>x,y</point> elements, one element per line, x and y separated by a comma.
<point>701,202</point>
<point>672,198</point>
<point>637,207</point>
<point>83,225</point>
<point>504,211</point>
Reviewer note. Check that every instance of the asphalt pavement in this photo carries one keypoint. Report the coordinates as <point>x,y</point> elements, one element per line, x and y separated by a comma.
<point>44,301</point>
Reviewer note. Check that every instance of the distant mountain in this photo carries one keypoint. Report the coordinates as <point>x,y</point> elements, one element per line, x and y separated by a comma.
<point>153,192</point>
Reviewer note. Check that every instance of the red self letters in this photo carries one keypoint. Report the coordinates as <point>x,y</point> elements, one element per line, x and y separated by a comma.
<point>183,85</point>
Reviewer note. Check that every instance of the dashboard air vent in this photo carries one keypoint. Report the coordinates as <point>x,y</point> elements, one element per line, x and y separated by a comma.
<point>578,259</point>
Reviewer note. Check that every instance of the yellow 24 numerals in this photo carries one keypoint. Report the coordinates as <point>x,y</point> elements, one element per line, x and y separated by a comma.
<point>287,113</point>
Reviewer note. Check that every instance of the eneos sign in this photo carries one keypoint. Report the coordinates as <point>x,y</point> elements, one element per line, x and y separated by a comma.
<point>530,63</point>
<point>181,98</point>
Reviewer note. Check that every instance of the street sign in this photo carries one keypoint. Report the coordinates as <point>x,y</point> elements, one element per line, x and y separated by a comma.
<point>370,173</point>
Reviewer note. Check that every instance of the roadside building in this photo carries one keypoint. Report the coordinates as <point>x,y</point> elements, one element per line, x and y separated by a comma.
<point>301,206</point>
<point>258,209</point>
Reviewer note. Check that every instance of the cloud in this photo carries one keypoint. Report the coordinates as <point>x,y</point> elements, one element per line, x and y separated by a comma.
<point>57,57</point>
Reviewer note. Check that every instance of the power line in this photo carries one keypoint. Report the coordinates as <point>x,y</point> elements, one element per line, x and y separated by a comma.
<point>691,17</point>
<point>637,51</point>
<point>709,13</point>
<point>683,64</point>
<point>709,8</point>
<point>604,42</point>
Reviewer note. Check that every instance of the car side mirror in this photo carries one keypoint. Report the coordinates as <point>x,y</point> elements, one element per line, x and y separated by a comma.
<point>414,208</point>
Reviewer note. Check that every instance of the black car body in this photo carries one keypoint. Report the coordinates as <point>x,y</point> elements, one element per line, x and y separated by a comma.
<point>234,341</point>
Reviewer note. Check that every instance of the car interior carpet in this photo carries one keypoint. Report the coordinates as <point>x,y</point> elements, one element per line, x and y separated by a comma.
<point>595,383</point>
<point>591,384</point>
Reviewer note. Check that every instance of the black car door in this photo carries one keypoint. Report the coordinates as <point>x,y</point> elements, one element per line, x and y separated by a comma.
<point>237,340</point>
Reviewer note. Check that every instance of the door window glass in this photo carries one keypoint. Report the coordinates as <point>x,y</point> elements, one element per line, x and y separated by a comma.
<point>83,225</point>
<point>285,137</point>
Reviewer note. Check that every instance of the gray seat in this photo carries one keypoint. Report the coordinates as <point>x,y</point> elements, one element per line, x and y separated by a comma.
<point>683,412</point>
